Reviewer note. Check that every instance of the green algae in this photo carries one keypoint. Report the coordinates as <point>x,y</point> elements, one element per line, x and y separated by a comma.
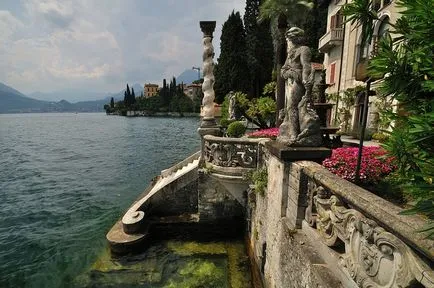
<point>239,269</point>
<point>174,264</point>
<point>189,248</point>
<point>199,273</point>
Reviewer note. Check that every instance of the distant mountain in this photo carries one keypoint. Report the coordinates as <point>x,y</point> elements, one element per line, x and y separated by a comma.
<point>12,100</point>
<point>187,77</point>
<point>73,95</point>
<point>138,89</point>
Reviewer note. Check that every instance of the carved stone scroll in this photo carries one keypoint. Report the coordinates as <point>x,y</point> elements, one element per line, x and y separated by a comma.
<point>373,257</point>
<point>231,154</point>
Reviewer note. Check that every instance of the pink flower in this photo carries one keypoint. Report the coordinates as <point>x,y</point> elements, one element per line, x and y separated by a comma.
<point>264,133</point>
<point>375,164</point>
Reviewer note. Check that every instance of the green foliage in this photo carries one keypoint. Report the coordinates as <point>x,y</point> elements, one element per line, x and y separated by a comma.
<point>259,48</point>
<point>347,100</point>
<point>293,10</point>
<point>224,123</point>
<point>231,72</point>
<point>269,89</point>
<point>407,61</point>
<point>380,137</point>
<point>198,274</point>
<point>236,129</point>
<point>260,111</point>
<point>359,12</point>
<point>259,178</point>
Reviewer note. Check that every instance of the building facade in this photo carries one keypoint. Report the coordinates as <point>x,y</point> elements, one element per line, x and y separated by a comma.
<point>345,59</point>
<point>150,90</point>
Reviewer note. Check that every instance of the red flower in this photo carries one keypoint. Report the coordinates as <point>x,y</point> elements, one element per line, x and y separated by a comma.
<point>264,133</point>
<point>375,164</point>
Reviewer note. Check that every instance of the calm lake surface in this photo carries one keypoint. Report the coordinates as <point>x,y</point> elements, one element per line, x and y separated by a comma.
<point>64,181</point>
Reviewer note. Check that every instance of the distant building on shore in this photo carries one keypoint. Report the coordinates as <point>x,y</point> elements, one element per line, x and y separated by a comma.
<point>150,90</point>
<point>193,91</point>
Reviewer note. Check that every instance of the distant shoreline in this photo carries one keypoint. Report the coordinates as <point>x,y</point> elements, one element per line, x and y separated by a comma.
<point>157,114</point>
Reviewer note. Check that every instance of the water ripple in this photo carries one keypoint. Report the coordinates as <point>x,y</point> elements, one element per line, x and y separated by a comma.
<point>65,179</point>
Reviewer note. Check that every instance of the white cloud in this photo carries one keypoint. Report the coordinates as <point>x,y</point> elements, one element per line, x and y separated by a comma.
<point>100,45</point>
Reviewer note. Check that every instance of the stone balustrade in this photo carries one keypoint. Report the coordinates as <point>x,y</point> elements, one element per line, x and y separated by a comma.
<point>312,228</point>
<point>381,247</point>
<point>231,152</point>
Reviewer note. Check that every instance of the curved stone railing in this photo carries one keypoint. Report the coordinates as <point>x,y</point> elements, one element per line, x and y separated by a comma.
<point>185,172</point>
<point>382,247</point>
<point>231,152</point>
<point>181,164</point>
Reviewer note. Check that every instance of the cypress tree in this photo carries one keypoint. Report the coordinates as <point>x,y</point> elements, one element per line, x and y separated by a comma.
<point>260,51</point>
<point>231,72</point>
<point>133,96</point>
<point>125,98</point>
<point>112,103</point>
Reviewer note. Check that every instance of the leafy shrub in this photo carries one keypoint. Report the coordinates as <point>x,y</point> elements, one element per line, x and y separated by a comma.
<point>265,133</point>
<point>225,122</point>
<point>259,178</point>
<point>380,137</point>
<point>375,164</point>
<point>236,129</point>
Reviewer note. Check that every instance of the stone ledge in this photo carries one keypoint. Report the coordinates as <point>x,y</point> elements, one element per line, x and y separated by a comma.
<point>291,154</point>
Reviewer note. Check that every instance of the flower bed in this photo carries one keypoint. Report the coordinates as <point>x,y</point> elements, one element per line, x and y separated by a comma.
<point>264,133</point>
<point>375,164</point>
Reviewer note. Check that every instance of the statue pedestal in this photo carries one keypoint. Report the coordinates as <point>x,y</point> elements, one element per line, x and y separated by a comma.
<point>291,154</point>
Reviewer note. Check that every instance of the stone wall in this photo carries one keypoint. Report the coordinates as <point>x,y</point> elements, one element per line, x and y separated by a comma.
<point>215,201</point>
<point>314,229</point>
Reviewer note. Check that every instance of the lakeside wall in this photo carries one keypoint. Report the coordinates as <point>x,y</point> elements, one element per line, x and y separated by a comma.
<point>309,229</point>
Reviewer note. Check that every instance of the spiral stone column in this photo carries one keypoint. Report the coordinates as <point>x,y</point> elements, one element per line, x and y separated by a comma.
<point>208,125</point>
<point>208,119</point>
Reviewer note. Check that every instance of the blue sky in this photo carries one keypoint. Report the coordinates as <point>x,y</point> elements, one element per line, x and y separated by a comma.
<point>99,45</point>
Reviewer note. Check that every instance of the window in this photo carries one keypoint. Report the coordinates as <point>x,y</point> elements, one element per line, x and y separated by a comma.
<point>337,20</point>
<point>332,73</point>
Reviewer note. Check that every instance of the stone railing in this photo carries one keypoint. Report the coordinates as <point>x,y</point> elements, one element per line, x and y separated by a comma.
<point>331,38</point>
<point>231,152</point>
<point>381,247</point>
<point>177,166</point>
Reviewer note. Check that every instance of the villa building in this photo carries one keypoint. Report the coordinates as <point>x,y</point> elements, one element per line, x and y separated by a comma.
<point>345,59</point>
<point>150,90</point>
<point>193,91</point>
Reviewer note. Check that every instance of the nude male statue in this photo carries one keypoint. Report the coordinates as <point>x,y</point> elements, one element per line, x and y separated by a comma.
<point>301,125</point>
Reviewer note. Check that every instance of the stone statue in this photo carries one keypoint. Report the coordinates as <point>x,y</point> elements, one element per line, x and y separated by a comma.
<point>231,108</point>
<point>301,125</point>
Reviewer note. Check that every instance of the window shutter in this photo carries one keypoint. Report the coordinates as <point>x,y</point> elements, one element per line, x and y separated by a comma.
<point>332,73</point>
<point>333,21</point>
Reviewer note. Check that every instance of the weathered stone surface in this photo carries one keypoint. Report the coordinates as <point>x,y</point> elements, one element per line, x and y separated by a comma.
<point>301,124</point>
<point>215,202</point>
<point>290,154</point>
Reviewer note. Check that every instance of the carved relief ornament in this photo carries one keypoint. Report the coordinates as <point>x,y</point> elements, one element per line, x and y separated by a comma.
<point>373,257</point>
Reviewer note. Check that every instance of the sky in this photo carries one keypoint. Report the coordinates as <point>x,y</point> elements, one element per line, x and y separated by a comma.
<point>99,45</point>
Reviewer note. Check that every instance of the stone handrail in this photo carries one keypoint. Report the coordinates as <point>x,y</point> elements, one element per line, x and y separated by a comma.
<point>231,152</point>
<point>177,166</point>
<point>382,247</point>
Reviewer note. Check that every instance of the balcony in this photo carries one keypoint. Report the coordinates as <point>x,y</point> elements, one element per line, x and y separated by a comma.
<point>331,39</point>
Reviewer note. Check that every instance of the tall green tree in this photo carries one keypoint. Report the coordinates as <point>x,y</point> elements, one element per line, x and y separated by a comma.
<point>259,48</point>
<point>231,72</point>
<point>133,96</point>
<point>112,103</point>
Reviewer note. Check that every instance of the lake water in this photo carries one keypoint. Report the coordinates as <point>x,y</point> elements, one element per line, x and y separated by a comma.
<point>64,181</point>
